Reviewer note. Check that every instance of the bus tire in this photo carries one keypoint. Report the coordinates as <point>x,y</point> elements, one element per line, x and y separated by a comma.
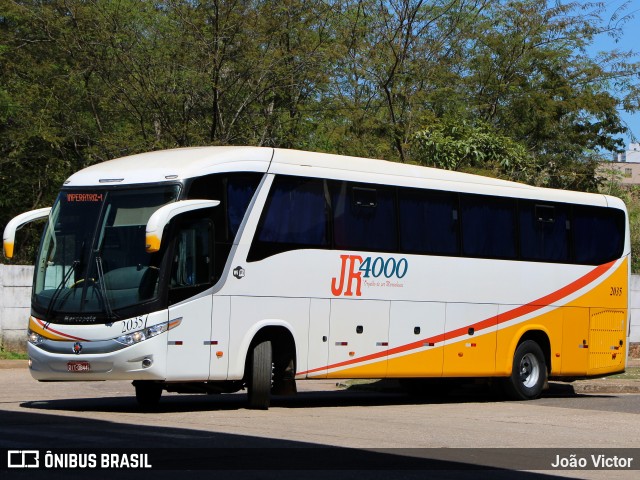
<point>529,372</point>
<point>260,376</point>
<point>148,394</point>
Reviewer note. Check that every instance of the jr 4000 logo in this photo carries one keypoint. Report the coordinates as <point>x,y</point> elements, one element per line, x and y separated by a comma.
<point>354,268</point>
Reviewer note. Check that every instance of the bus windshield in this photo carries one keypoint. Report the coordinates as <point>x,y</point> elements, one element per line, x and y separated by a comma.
<point>92,260</point>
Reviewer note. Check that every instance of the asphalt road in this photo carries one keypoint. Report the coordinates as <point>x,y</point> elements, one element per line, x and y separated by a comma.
<point>388,433</point>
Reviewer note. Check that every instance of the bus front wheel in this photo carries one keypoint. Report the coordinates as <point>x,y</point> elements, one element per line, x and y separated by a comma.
<point>260,375</point>
<point>147,394</point>
<point>529,372</point>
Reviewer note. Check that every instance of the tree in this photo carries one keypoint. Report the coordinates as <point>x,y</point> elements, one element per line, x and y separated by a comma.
<point>530,78</point>
<point>502,87</point>
<point>477,149</point>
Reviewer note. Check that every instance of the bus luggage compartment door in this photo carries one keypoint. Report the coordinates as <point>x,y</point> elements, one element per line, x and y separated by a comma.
<point>607,334</point>
<point>359,338</point>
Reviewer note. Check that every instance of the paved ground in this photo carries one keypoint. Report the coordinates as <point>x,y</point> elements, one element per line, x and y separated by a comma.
<point>596,385</point>
<point>323,426</point>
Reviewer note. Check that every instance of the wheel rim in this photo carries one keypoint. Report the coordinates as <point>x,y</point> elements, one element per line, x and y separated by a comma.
<point>529,370</point>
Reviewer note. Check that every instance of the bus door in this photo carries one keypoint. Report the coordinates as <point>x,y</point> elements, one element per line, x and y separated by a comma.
<point>189,344</point>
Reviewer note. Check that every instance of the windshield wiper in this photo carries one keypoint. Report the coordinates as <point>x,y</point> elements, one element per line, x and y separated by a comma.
<point>59,288</point>
<point>105,299</point>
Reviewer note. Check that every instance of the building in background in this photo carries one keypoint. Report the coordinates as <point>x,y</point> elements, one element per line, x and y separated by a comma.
<point>625,166</point>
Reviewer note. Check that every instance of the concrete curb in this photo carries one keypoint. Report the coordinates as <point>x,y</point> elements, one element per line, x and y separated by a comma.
<point>7,364</point>
<point>604,385</point>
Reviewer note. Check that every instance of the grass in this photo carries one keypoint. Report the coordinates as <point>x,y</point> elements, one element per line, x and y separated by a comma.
<point>632,373</point>
<point>6,355</point>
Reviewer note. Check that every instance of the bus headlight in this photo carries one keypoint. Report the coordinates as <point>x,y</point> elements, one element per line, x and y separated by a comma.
<point>34,338</point>
<point>150,332</point>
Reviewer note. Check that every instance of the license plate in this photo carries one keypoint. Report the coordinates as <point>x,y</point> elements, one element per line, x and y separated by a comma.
<point>78,367</point>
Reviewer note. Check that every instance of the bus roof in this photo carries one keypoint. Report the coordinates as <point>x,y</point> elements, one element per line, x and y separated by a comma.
<point>184,163</point>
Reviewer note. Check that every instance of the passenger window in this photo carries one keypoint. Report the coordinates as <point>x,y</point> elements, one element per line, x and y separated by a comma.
<point>428,222</point>
<point>544,233</point>
<point>295,217</point>
<point>364,217</point>
<point>598,234</point>
<point>488,226</point>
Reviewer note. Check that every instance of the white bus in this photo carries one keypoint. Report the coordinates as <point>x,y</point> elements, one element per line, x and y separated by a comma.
<point>221,268</point>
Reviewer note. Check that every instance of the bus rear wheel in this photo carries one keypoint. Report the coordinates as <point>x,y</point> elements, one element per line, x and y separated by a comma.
<point>260,376</point>
<point>528,374</point>
<point>147,394</point>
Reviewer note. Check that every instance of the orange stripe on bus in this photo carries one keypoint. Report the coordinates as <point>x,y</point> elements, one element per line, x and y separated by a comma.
<point>46,327</point>
<point>484,324</point>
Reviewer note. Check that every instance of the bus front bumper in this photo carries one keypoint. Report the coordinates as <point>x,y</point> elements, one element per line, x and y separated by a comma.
<point>142,361</point>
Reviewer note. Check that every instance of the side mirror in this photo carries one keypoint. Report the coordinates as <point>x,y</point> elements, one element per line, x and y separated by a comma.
<point>16,223</point>
<point>162,216</point>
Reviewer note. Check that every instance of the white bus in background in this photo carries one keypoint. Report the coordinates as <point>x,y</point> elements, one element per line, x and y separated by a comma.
<point>221,268</point>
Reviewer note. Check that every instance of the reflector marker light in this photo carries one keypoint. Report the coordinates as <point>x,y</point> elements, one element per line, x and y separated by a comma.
<point>175,342</point>
<point>342,344</point>
<point>382,344</point>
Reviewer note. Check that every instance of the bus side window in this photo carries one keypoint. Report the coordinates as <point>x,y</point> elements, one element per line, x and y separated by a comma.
<point>488,226</point>
<point>544,235</point>
<point>598,234</point>
<point>295,217</point>
<point>364,217</point>
<point>234,191</point>
<point>428,222</point>
<point>192,259</point>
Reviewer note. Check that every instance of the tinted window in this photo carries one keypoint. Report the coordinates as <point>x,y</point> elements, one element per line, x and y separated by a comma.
<point>192,270</point>
<point>598,234</point>
<point>428,222</point>
<point>364,217</point>
<point>488,226</point>
<point>543,232</point>
<point>295,217</point>
<point>234,191</point>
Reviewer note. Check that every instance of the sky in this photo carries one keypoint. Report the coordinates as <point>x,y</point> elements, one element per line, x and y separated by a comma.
<point>630,40</point>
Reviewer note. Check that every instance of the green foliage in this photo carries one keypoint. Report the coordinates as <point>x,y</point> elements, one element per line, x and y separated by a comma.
<point>8,355</point>
<point>458,146</point>
<point>488,86</point>
<point>630,194</point>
